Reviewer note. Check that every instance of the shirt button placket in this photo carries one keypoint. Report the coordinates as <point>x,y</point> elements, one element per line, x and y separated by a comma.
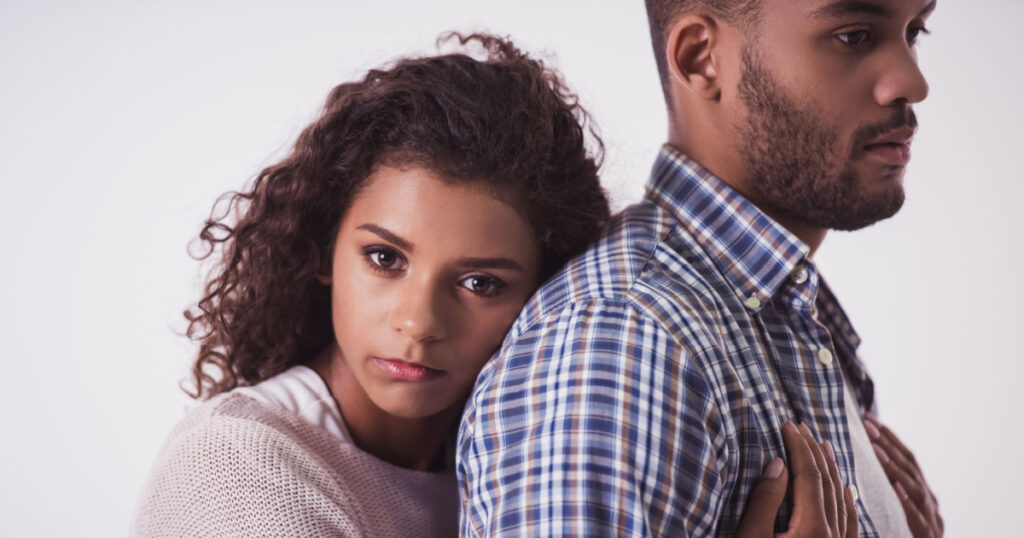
<point>799,275</point>
<point>825,356</point>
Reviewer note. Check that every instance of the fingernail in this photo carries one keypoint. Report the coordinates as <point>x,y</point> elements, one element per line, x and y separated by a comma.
<point>873,432</point>
<point>882,456</point>
<point>774,469</point>
<point>828,450</point>
<point>900,491</point>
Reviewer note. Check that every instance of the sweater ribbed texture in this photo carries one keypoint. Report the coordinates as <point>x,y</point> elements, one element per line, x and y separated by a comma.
<point>238,467</point>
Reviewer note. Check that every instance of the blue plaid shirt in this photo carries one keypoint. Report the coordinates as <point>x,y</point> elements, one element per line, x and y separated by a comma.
<point>642,390</point>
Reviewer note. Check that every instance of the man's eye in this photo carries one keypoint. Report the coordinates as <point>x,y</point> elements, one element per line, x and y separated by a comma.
<point>854,38</point>
<point>914,33</point>
<point>482,284</point>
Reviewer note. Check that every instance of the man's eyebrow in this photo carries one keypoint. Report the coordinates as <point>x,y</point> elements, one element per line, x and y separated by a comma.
<point>928,9</point>
<point>490,263</point>
<point>852,7</point>
<point>388,235</point>
<point>862,7</point>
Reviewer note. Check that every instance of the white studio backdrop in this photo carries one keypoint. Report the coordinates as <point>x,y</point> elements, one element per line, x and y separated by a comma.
<point>121,122</point>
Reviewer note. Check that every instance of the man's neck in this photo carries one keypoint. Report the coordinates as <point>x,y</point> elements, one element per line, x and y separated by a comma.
<point>812,236</point>
<point>726,166</point>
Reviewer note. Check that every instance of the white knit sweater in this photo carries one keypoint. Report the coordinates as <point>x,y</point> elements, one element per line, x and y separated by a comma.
<point>236,466</point>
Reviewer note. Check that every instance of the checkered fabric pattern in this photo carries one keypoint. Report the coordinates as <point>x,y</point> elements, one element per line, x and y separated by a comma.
<point>642,390</point>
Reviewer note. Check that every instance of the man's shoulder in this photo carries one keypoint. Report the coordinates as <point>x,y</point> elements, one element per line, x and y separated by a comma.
<point>644,261</point>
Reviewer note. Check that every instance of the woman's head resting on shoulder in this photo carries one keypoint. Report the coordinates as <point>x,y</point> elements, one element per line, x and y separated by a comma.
<point>409,225</point>
<point>428,276</point>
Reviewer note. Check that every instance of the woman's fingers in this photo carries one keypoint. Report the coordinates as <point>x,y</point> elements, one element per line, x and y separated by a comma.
<point>899,470</point>
<point>894,441</point>
<point>899,477</point>
<point>837,485</point>
<point>764,502</point>
<point>918,489</point>
<point>916,520</point>
<point>901,456</point>
<point>808,493</point>
<point>901,467</point>
<point>827,487</point>
<point>852,525</point>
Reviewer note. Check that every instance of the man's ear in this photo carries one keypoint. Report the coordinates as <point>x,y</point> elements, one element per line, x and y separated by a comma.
<point>690,53</point>
<point>325,279</point>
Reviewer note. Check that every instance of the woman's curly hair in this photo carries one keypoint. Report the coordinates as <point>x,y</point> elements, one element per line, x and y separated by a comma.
<point>505,121</point>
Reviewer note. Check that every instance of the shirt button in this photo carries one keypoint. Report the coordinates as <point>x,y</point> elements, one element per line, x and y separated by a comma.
<point>854,492</point>
<point>753,302</point>
<point>825,356</point>
<point>799,276</point>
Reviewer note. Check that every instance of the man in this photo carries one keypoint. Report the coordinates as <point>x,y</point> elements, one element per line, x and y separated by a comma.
<point>643,390</point>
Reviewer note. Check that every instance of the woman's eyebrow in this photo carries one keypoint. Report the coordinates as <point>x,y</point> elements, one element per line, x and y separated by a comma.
<point>490,263</point>
<point>388,235</point>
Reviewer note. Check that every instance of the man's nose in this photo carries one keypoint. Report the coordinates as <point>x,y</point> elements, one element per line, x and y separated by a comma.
<point>901,80</point>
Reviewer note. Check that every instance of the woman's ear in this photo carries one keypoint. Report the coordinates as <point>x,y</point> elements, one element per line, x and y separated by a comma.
<point>326,274</point>
<point>690,53</point>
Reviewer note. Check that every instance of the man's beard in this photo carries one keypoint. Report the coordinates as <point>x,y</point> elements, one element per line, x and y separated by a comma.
<point>796,164</point>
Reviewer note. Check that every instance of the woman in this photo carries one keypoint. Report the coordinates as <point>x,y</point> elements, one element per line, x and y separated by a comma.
<point>359,287</point>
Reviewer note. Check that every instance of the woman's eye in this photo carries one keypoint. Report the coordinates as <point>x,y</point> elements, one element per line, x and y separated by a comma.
<point>854,38</point>
<point>482,284</point>
<point>383,259</point>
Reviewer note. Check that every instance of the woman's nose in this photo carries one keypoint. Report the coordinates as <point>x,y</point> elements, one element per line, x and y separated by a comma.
<point>419,314</point>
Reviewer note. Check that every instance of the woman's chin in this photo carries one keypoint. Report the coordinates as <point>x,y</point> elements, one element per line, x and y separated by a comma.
<point>415,407</point>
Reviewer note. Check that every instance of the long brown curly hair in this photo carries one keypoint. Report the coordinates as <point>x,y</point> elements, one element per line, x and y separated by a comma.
<point>506,121</point>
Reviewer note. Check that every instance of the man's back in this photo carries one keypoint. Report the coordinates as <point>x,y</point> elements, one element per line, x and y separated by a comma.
<point>642,391</point>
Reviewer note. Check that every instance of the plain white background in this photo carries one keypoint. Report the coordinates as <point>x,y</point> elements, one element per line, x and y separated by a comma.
<point>120,122</point>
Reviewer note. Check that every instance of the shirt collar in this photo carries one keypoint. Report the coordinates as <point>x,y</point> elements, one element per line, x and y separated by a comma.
<point>755,253</point>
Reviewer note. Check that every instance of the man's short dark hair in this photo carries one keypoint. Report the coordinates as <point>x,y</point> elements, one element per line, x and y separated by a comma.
<point>662,13</point>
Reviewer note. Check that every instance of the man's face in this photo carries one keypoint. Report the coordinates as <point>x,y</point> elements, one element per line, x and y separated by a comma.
<point>827,88</point>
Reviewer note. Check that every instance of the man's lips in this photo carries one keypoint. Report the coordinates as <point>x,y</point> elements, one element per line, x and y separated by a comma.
<point>406,371</point>
<point>893,147</point>
<point>894,154</point>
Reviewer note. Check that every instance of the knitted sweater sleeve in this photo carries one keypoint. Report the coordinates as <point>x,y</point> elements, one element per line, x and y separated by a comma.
<point>222,474</point>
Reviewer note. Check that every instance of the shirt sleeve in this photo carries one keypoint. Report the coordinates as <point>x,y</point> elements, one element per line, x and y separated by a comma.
<point>591,421</point>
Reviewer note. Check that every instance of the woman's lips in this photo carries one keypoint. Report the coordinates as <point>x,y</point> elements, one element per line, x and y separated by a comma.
<point>406,371</point>
<point>892,153</point>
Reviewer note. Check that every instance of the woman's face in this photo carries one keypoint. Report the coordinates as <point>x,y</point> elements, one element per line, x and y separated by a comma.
<point>427,279</point>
